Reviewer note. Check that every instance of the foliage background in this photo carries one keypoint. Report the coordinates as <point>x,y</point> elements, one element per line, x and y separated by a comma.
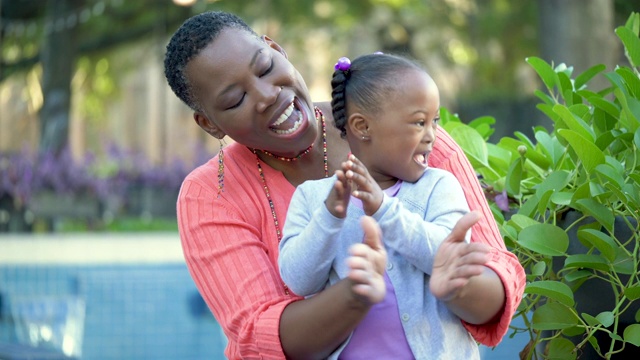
<point>85,76</point>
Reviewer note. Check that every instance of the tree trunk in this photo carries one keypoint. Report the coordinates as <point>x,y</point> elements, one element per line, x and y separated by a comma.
<point>579,33</point>
<point>58,56</point>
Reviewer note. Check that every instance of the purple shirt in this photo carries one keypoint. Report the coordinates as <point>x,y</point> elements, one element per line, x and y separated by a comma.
<point>380,334</point>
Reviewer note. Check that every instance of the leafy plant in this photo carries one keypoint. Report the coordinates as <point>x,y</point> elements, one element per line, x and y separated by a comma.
<point>568,205</point>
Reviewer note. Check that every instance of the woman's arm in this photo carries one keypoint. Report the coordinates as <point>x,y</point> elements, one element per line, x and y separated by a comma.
<point>449,156</point>
<point>238,279</point>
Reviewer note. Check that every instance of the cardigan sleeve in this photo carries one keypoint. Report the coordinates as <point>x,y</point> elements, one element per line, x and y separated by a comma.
<point>232,270</point>
<point>309,240</point>
<point>449,156</point>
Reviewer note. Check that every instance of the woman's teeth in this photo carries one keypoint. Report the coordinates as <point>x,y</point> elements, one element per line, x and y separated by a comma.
<point>284,117</point>
<point>295,127</point>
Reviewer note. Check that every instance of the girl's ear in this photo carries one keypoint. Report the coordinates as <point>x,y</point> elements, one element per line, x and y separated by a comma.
<point>274,45</point>
<point>207,125</point>
<point>358,125</point>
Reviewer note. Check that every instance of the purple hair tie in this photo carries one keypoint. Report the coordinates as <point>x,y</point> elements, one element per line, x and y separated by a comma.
<point>343,64</point>
<point>378,53</point>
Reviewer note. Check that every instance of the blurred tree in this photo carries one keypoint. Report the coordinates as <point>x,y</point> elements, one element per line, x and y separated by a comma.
<point>57,57</point>
<point>579,33</point>
<point>55,33</point>
<point>479,45</point>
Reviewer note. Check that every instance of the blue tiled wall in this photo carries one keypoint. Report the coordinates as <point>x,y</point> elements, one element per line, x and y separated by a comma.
<point>132,312</point>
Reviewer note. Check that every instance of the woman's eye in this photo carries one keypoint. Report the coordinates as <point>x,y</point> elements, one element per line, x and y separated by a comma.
<point>236,104</point>
<point>268,69</point>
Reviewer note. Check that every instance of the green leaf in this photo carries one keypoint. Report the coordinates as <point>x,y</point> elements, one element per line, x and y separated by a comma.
<point>555,182</point>
<point>601,213</point>
<point>520,222</point>
<point>612,175</point>
<point>577,275</point>
<point>514,176</point>
<point>545,239</point>
<point>566,87</point>
<point>548,100</point>
<point>483,122</point>
<point>606,105</point>
<point>472,143</point>
<point>631,79</point>
<point>553,316</point>
<point>539,268</point>
<point>590,320</point>
<point>631,109</point>
<point>561,198</point>
<point>588,261</point>
<point>632,334</point>
<point>551,146</point>
<point>561,349</point>
<point>553,290</point>
<point>632,293</point>
<point>544,70</point>
<point>633,22</point>
<point>603,242</point>
<point>588,75</point>
<point>631,44</point>
<point>624,263</point>
<point>586,150</point>
<point>446,117</point>
<point>574,122</point>
<point>606,318</point>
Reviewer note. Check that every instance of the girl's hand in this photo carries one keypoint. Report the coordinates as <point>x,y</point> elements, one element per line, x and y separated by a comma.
<point>367,263</point>
<point>364,186</point>
<point>338,198</point>
<point>456,261</point>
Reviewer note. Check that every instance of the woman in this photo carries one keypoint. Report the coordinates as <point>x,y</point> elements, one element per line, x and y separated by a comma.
<point>230,210</point>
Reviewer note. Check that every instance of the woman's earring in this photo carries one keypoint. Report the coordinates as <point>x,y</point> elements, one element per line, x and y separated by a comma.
<point>221,166</point>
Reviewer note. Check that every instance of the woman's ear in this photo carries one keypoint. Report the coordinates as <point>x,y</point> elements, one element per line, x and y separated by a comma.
<point>274,45</point>
<point>207,125</point>
<point>359,126</point>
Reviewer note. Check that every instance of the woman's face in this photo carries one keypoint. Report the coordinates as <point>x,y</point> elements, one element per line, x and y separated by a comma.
<point>248,90</point>
<point>403,133</point>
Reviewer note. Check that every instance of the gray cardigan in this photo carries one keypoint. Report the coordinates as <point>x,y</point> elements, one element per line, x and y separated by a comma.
<point>414,223</point>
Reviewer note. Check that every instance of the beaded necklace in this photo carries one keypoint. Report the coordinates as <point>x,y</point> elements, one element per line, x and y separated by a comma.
<point>319,115</point>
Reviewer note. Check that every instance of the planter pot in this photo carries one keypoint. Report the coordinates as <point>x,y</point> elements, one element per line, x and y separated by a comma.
<point>595,295</point>
<point>152,201</point>
<point>49,208</point>
<point>13,218</point>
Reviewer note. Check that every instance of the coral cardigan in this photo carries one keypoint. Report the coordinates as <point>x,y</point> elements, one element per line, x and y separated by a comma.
<point>231,247</point>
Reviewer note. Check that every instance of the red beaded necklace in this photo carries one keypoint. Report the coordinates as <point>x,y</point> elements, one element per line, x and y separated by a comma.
<point>320,116</point>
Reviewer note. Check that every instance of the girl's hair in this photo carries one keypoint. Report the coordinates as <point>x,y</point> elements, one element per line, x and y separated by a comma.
<point>194,35</point>
<point>366,84</point>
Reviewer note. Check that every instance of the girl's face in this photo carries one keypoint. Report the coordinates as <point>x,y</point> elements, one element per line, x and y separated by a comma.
<point>401,136</point>
<point>248,90</point>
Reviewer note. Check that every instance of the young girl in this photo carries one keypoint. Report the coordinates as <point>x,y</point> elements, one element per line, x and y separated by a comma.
<point>388,108</point>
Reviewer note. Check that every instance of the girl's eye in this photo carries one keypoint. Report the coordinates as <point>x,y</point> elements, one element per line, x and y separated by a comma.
<point>268,69</point>
<point>420,123</point>
<point>436,120</point>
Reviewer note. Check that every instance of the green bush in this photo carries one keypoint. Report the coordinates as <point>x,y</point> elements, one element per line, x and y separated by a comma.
<point>568,205</point>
